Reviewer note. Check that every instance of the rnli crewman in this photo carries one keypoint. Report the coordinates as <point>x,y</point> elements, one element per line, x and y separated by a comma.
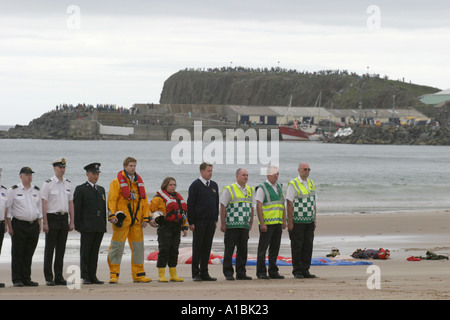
<point>24,219</point>
<point>301,212</point>
<point>57,212</point>
<point>272,221</point>
<point>236,217</point>
<point>168,210</point>
<point>128,212</point>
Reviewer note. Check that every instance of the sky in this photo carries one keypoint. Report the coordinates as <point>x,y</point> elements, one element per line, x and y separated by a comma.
<point>57,52</point>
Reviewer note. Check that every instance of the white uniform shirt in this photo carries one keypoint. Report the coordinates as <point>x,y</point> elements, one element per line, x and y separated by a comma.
<point>291,193</point>
<point>57,194</point>
<point>3,192</point>
<point>260,192</point>
<point>24,204</point>
<point>226,196</point>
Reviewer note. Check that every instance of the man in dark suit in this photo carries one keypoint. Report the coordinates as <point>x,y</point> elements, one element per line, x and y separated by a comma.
<point>90,220</point>
<point>202,214</point>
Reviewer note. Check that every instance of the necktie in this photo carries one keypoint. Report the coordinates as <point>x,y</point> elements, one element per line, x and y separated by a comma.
<point>207,183</point>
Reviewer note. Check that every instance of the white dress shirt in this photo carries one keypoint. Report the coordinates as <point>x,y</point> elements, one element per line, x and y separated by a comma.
<point>57,194</point>
<point>3,192</point>
<point>260,195</point>
<point>24,204</point>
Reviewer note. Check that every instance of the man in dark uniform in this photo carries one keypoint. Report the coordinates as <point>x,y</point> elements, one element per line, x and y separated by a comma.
<point>203,213</point>
<point>90,220</point>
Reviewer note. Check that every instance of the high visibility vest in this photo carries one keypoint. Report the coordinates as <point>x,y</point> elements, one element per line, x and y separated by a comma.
<point>304,204</point>
<point>239,208</point>
<point>273,205</point>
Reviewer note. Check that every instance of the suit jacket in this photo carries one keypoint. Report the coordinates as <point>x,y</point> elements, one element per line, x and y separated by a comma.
<point>90,208</point>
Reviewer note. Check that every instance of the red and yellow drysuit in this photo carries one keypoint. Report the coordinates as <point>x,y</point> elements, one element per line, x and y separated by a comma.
<point>130,198</point>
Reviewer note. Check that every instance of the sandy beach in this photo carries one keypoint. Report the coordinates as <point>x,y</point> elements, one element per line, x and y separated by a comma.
<point>405,234</point>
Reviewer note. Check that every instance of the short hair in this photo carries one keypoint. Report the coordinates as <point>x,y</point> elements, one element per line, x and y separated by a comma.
<point>166,182</point>
<point>238,171</point>
<point>272,170</point>
<point>204,165</point>
<point>128,160</point>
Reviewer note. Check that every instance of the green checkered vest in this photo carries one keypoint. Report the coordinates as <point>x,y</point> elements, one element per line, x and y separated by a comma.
<point>273,205</point>
<point>305,201</point>
<point>239,207</point>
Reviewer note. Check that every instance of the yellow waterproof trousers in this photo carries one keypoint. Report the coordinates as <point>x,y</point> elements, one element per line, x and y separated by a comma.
<point>135,237</point>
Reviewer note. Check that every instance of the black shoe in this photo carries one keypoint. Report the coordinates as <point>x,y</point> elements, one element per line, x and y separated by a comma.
<point>306,274</point>
<point>61,282</point>
<point>276,276</point>
<point>50,283</point>
<point>18,284</point>
<point>244,277</point>
<point>2,285</point>
<point>86,281</point>
<point>229,278</point>
<point>30,283</point>
<point>263,276</point>
<point>96,281</point>
<point>298,276</point>
<point>208,278</point>
<point>196,278</point>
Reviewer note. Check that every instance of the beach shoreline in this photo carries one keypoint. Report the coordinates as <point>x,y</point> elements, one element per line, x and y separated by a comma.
<point>405,234</point>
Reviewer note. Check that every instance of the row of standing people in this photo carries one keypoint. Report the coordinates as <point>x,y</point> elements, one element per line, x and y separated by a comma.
<point>27,208</point>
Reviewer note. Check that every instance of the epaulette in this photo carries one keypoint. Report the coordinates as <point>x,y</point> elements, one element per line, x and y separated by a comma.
<point>2,187</point>
<point>14,186</point>
<point>48,180</point>
<point>68,180</point>
<point>37,188</point>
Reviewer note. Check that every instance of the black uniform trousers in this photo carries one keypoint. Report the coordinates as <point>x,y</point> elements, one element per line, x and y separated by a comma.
<point>23,245</point>
<point>202,239</point>
<point>55,242</point>
<point>2,234</point>
<point>235,238</point>
<point>89,247</point>
<point>272,240</point>
<point>302,239</point>
<point>169,235</point>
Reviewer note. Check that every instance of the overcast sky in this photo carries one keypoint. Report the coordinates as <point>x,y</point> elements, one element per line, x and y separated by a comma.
<point>121,52</point>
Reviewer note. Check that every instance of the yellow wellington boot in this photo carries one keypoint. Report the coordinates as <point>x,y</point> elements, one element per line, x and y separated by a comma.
<point>173,275</point>
<point>162,275</point>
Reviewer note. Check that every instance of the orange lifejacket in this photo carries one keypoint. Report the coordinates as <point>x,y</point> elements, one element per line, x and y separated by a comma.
<point>122,177</point>
<point>175,205</point>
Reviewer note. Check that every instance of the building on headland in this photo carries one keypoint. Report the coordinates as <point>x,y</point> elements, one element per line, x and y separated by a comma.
<point>157,121</point>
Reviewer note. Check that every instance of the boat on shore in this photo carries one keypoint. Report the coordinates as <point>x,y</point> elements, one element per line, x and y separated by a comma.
<point>296,132</point>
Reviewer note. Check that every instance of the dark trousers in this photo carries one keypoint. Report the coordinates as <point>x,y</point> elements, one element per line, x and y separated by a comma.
<point>2,234</point>
<point>169,234</point>
<point>23,245</point>
<point>235,238</point>
<point>272,240</point>
<point>302,238</point>
<point>202,239</point>
<point>55,242</point>
<point>89,248</point>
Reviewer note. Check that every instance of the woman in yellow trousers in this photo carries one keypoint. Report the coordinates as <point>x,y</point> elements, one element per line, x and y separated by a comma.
<point>168,210</point>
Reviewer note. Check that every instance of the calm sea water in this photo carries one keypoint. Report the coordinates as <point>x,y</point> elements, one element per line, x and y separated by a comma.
<point>349,178</point>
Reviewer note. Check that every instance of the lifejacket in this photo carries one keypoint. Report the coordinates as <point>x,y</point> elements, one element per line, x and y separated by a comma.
<point>122,177</point>
<point>175,205</point>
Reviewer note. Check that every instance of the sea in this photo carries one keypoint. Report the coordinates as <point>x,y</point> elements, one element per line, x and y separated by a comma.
<point>349,178</point>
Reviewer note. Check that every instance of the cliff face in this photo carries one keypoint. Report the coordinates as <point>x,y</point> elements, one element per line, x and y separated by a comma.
<point>339,89</point>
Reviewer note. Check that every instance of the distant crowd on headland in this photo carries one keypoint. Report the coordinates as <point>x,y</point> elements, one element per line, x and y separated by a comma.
<point>284,70</point>
<point>82,107</point>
